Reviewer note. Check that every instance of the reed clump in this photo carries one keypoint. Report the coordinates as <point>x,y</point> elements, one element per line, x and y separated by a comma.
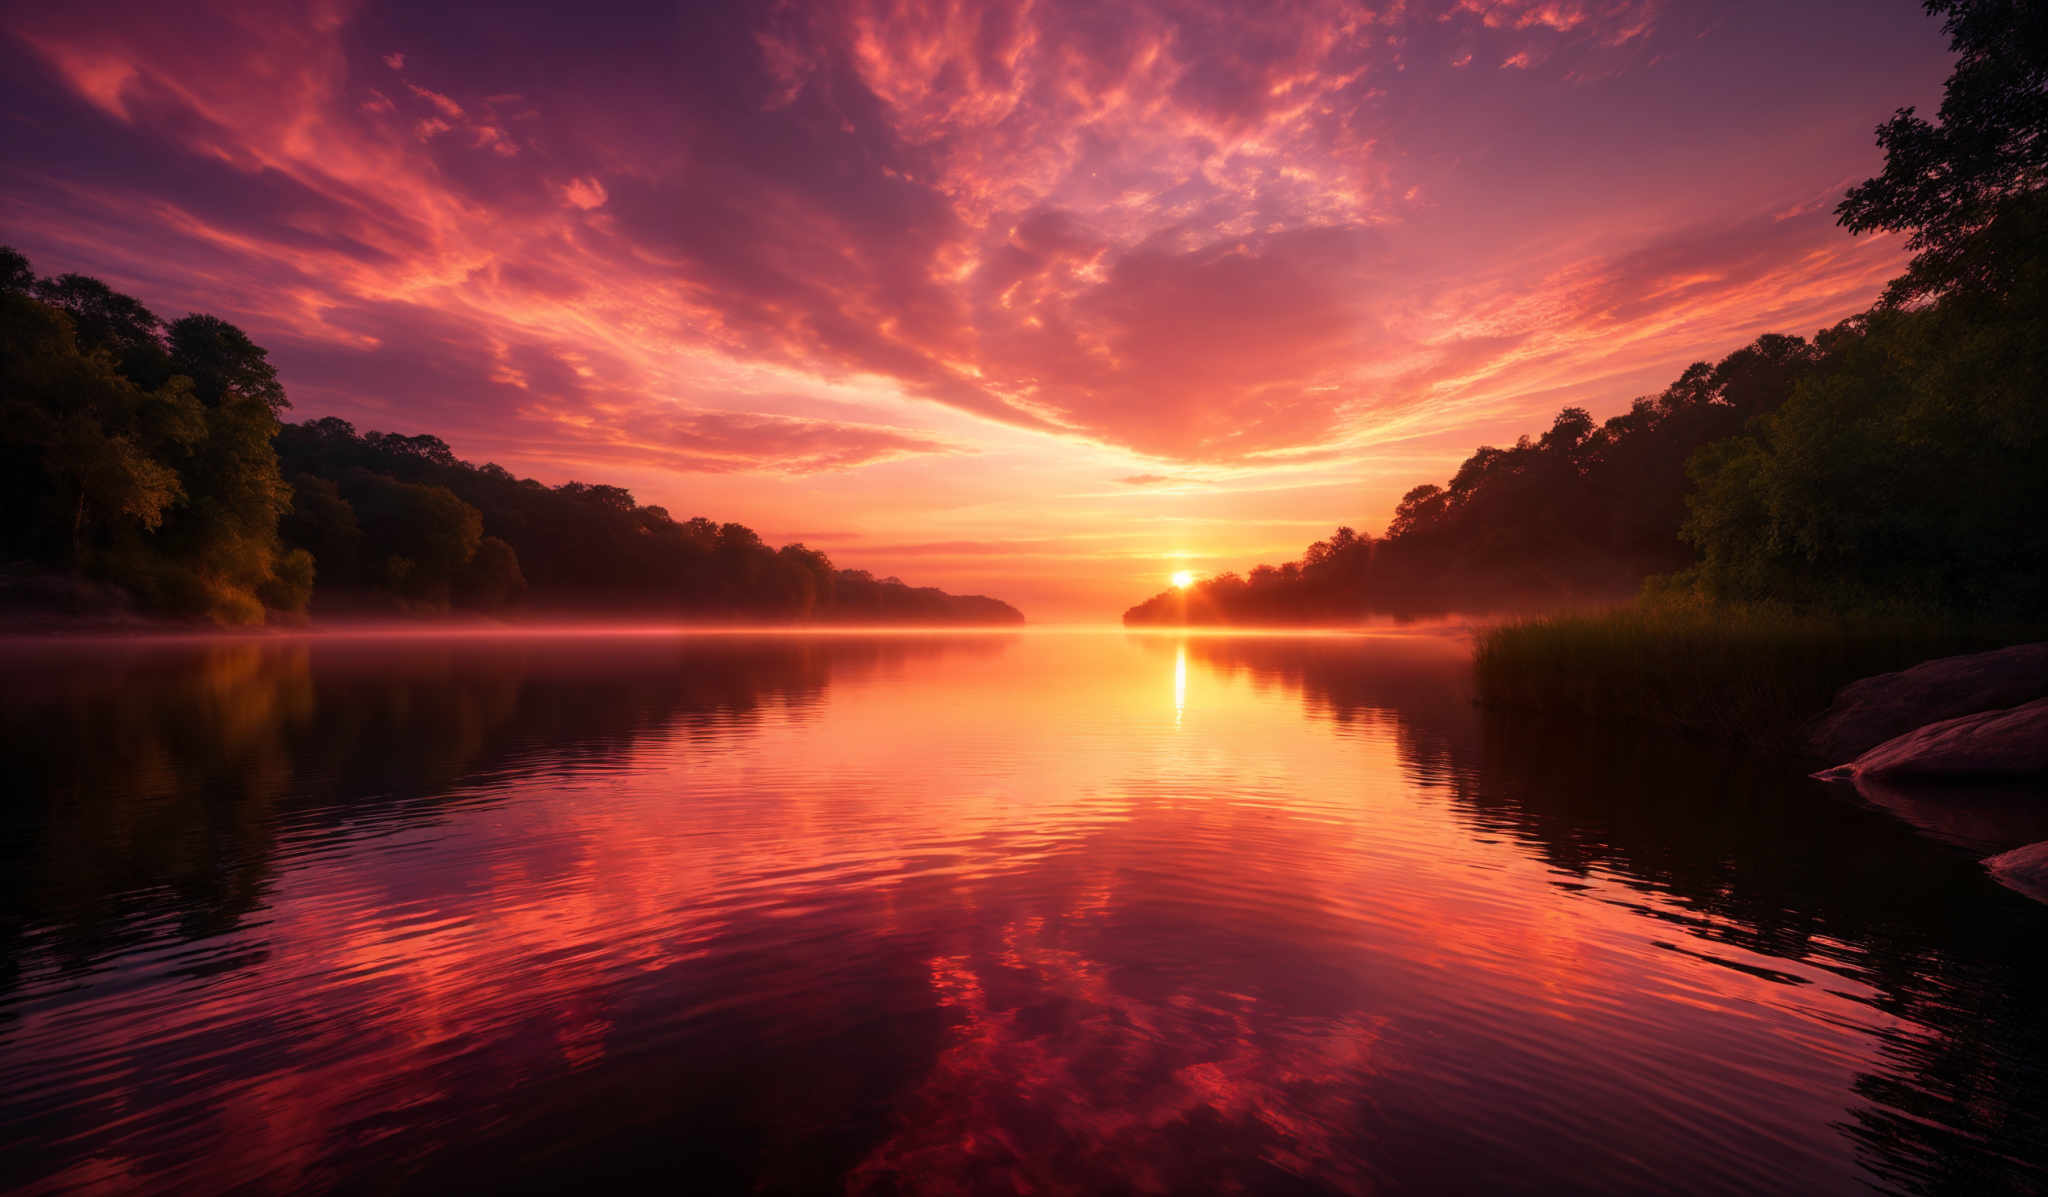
<point>1750,676</point>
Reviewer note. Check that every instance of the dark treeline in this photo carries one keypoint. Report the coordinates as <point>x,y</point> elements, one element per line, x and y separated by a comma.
<point>401,515</point>
<point>145,462</point>
<point>1897,460</point>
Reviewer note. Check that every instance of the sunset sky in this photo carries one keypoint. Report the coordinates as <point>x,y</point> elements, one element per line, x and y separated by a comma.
<point>1036,299</point>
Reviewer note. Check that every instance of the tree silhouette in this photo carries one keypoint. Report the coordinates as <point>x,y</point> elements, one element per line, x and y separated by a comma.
<point>104,319</point>
<point>151,456</point>
<point>223,363</point>
<point>15,276</point>
<point>85,446</point>
<point>1893,461</point>
<point>1969,187</point>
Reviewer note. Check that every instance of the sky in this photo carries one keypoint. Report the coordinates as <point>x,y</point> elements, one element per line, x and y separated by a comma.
<point>1037,299</point>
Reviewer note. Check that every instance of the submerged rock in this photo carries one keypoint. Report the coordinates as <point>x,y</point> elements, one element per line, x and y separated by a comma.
<point>1984,817</point>
<point>1877,709</point>
<point>2009,743</point>
<point>2023,869</point>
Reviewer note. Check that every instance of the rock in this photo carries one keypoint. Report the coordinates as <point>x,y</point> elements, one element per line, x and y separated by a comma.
<point>1876,709</point>
<point>2023,869</point>
<point>1984,817</point>
<point>2009,743</point>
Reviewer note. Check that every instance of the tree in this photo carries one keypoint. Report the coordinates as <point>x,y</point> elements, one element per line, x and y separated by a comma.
<point>151,456</point>
<point>1968,189</point>
<point>105,319</point>
<point>15,276</point>
<point>323,524</point>
<point>1570,430</point>
<point>418,539</point>
<point>1419,509</point>
<point>223,363</point>
<point>224,540</point>
<point>120,468</point>
<point>491,578</point>
<point>84,445</point>
<point>1581,511</point>
<point>1906,470</point>
<point>803,578</point>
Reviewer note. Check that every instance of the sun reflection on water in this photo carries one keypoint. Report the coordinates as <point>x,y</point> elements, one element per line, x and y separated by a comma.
<point>838,893</point>
<point>1180,684</point>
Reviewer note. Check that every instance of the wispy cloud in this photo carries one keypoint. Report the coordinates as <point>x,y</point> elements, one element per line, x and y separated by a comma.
<point>1152,232</point>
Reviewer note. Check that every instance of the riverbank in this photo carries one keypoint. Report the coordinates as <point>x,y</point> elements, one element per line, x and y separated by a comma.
<point>1749,677</point>
<point>48,603</point>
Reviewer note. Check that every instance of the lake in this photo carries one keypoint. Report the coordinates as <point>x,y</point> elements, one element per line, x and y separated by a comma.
<point>1024,912</point>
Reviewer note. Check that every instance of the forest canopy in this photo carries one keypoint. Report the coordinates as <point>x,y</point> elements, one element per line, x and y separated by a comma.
<point>1898,460</point>
<point>149,458</point>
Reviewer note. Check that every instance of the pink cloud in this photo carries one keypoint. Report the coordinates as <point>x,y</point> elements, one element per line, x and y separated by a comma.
<point>1148,232</point>
<point>584,193</point>
<point>718,442</point>
<point>444,105</point>
<point>1254,237</point>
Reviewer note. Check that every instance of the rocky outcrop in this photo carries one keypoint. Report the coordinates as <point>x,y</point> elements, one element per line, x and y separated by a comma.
<point>1989,744</point>
<point>1878,709</point>
<point>1958,747</point>
<point>2023,869</point>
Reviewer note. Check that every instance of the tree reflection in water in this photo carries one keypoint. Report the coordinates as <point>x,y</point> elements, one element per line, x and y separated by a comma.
<point>148,777</point>
<point>1760,858</point>
<point>938,914</point>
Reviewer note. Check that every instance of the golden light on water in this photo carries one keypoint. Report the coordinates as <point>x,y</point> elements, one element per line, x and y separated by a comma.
<point>1180,684</point>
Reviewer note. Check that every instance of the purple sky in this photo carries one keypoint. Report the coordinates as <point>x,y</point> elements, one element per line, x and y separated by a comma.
<point>1045,300</point>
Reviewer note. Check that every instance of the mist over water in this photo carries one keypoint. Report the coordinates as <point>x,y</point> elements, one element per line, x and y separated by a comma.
<point>960,913</point>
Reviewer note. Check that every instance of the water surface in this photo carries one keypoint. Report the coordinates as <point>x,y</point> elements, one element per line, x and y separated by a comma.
<point>965,913</point>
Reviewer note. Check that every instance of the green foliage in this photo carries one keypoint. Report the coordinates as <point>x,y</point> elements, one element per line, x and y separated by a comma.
<point>290,585</point>
<point>491,580</point>
<point>420,538</point>
<point>1324,585</point>
<point>1909,470</point>
<point>1899,461</point>
<point>322,524</point>
<point>118,467</point>
<point>223,364</point>
<point>148,455</point>
<point>574,546</point>
<point>1582,512</point>
<point>84,446</point>
<point>105,320</point>
<point>1968,189</point>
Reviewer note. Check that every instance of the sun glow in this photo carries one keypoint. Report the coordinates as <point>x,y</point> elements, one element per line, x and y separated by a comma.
<point>1183,578</point>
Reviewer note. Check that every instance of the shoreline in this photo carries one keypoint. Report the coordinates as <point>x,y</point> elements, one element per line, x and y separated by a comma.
<point>462,627</point>
<point>1749,677</point>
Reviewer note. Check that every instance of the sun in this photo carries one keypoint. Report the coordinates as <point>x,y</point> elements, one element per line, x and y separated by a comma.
<point>1183,578</point>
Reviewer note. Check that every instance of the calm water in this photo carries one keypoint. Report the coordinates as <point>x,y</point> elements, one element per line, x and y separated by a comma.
<point>1023,913</point>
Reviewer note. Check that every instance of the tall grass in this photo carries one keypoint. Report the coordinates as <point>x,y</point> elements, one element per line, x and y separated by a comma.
<point>1749,676</point>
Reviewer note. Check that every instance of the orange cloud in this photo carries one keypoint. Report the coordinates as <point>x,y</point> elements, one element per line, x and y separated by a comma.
<point>1124,238</point>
